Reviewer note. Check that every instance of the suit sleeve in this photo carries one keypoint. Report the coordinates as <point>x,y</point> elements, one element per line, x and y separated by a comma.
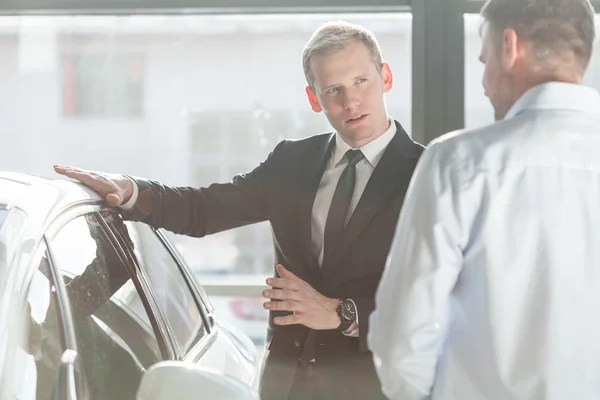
<point>100,280</point>
<point>203,211</point>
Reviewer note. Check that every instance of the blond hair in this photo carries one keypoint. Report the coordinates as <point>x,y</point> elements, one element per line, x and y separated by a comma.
<point>333,37</point>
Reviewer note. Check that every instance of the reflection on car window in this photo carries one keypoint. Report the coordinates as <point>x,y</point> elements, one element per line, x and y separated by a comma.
<point>127,296</point>
<point>115,345</point>
<point>37,357</point>
<point>128,299</point>
<point>170,287</point>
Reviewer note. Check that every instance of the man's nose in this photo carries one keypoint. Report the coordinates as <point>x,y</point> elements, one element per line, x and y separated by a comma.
<point>351,100</point>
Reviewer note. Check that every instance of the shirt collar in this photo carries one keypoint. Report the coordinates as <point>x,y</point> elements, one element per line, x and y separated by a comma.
<point>373,151</point>
<point>557,96</point>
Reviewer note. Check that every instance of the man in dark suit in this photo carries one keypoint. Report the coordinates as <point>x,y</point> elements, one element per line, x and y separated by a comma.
<point>332,200</point>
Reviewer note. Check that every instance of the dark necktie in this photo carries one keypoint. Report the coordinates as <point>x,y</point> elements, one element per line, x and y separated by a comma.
<point>334,229</point>
<point>338,211</point>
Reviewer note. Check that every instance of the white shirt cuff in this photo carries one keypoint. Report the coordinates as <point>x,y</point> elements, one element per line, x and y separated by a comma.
<point>133,199</point>
<point>354,333</point>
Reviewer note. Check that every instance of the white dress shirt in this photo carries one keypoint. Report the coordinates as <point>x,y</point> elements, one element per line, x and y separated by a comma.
<point>372,151</point>
<point>492,286</point>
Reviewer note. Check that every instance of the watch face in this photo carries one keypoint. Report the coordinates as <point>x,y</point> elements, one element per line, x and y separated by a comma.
<point>347,311</point>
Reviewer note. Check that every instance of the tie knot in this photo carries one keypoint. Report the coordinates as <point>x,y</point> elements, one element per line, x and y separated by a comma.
<point>354,156</point>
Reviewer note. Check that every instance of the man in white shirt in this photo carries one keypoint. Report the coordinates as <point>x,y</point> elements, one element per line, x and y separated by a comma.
<point>332,201</point>
<point>492,287</point>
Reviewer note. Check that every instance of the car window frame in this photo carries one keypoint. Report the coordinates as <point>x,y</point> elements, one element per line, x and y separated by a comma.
<point>74,383</point>
<point>148,302</point>
<point>193,284</point>
<point>80,211</point>
<point>196,352</point>
<point>168,336</point>
<point>199,349</point>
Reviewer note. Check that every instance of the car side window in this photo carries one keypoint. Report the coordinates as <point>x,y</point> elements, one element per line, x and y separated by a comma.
<point>171,289</point>
<point>115,345</point>
<point>40,341</point>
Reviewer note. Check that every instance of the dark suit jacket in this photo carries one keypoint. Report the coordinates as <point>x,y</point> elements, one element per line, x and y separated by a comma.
<point>282,190</point>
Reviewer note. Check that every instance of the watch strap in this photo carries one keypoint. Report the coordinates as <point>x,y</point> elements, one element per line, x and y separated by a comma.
<point>344,326</point>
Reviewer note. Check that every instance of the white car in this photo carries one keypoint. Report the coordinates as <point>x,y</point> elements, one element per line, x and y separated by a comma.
<point>94,307</point>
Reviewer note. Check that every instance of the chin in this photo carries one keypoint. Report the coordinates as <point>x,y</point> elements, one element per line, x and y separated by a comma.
<point>358,136</point>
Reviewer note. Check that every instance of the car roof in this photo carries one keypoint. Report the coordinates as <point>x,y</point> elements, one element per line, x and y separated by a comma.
<point>32,193</point>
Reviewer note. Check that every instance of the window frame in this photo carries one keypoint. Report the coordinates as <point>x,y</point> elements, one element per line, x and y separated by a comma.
<point>157,326</point>
<point>81,211</point>
<point>204,305</point>
<point>204,6</point>
<point>438,70</point>
<point>197,291</point>
<point>439,65</point>
<point>196,352</point>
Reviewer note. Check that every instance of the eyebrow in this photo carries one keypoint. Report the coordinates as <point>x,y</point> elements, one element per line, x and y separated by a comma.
<point>339,84</point>
<point>331,86</point>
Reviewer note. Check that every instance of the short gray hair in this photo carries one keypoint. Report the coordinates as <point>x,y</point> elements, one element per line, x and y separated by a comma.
<point>333,37</point>
<point>561,32</point>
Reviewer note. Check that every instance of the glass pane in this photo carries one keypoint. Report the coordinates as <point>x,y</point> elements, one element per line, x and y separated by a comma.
<point>183,99</point>
<point>37,356</point>
<point>478,110</point>
<point>187,100</point>
<point>114,343</point>
<point>170,287</point>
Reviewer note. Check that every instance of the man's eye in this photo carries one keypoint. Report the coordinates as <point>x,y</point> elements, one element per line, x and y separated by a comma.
<point>333,90</point>
<point>361,80</point>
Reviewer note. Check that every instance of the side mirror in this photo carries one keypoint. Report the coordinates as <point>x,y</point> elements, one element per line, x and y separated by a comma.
<point>182,381</point>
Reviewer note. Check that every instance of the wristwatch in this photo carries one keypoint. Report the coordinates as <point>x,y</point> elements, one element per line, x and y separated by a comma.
<point>347,312</point>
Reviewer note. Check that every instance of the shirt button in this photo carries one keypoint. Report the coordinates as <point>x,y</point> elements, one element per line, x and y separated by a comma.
<point>297,342</point>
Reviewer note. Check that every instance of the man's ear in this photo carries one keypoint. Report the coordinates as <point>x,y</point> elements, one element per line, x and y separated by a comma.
<point>388,77</point>
<point>312,99</point>
<point>511,47</point>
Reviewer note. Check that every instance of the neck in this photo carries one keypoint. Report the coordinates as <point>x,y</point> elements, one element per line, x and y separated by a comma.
<point>536,78</point>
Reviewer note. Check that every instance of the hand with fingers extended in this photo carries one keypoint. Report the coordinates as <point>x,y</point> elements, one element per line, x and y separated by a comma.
<point>309,307</point>
<point>115,189</point>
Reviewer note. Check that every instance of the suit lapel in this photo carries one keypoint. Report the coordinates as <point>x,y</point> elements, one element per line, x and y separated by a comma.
<point>395,166</point>
<point>308,183</point>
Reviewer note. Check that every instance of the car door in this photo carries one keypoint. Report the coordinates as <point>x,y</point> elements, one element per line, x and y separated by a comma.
<point>41,362</point>
<point>192,331</point>
<point>117,333</point>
